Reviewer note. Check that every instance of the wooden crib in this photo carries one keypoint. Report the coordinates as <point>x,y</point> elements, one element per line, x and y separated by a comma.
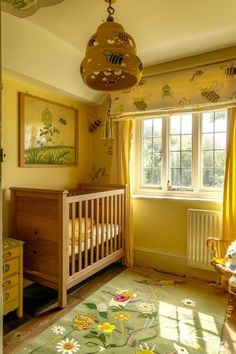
<point>69,234</point>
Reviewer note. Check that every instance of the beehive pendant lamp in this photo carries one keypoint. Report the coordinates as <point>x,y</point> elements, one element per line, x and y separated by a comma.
<point>110,62</point>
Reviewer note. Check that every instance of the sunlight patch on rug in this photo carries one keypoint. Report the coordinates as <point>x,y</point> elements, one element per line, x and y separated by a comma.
<point>140,312</point>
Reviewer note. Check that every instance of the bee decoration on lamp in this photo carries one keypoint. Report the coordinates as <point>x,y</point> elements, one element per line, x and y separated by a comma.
<point>114,58</point>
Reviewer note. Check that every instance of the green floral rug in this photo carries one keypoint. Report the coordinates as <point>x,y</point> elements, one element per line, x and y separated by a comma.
<point>140,312</point>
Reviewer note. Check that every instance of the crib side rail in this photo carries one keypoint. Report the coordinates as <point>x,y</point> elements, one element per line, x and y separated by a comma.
<point>96,228</point>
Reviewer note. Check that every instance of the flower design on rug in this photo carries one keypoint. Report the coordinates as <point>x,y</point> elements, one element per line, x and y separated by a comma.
<point>122,297</point>
<point>121,316</point>
<point>102,307</point>
<point>107,327</point>
<point>84,321</point>
<point>146,307</point>
<point>58,329</point>
<point>189,302</point>
<point>146,349</point>
<point>68,346</point>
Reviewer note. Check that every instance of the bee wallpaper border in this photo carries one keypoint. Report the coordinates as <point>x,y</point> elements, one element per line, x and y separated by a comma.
<point>48,133</point>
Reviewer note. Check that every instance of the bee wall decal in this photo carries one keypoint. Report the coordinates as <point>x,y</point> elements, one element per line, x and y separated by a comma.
<point>140,104</point>
<point>166,91</point>
<point>62,121</point>
<point>108,148</point>
<point>94,122</point>
<point>210,94</point>
<point>233,96</point>
<point>197,73</point>
<point>114,58</point>
<point>229,70</point>
<point>184,101</point>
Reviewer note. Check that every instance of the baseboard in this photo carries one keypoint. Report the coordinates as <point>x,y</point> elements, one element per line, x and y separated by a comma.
<point>169,262</point>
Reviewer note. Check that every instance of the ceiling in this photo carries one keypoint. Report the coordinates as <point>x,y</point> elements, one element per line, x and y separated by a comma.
<point>163,30</point>
<point>46,49</point>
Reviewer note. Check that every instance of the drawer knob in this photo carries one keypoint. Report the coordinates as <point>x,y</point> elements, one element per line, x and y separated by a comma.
<point>6,283</point>
<point>6,296</point>
<point>5,268</point>
<point>7,254</point>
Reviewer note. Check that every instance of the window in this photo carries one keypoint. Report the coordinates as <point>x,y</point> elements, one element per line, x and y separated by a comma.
<point>181,154</point>
<point>213,148</point>
<point>180,141</point>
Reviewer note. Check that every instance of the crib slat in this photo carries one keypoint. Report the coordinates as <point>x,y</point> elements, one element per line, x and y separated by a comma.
<point>80,235</point>
<point>119,223</point>
<point>107,221</point>
<point>97,229</point>
<point>73,238</point>
<point>91,236</point>
<point>86,235</point>
<point>102,229</point>
<point>111,225</point>
<point>115,226</point>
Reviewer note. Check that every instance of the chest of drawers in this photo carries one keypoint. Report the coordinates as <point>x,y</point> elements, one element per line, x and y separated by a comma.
<point>12,269</point>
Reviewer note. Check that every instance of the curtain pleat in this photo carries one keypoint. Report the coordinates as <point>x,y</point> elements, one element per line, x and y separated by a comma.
<point>229,207</point>
<point>120,173</point>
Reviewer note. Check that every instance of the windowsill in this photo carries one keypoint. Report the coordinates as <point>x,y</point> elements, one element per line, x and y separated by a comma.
<point>178,197</point>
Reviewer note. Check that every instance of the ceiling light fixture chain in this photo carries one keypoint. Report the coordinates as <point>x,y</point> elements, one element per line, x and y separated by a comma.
<point>111,12</point>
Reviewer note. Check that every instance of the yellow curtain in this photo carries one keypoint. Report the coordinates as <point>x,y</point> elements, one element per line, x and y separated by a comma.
<point>229,209</point>
<point>120,173</point>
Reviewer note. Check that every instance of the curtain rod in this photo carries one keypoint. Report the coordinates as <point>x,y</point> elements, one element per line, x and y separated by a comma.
<point>187,67</point>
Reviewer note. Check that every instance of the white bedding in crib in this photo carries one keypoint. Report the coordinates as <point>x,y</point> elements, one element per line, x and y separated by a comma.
<point>109,231</point>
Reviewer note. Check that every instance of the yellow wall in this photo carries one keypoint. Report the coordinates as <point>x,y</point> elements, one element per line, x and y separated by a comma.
<point>42,177</point>
<point>101,153</point>
<point>160,229</point>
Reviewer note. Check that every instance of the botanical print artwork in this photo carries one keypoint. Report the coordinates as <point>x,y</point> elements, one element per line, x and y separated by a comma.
<point>140,312</point>
<point>48,132</point>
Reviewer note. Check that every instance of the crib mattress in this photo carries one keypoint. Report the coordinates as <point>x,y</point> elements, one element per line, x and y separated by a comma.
<point>109,231</point>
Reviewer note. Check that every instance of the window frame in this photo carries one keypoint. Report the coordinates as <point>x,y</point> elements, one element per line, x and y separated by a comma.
<point>197,191</point>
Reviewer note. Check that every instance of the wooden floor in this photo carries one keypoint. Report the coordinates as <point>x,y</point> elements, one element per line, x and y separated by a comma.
<point>17,333</point>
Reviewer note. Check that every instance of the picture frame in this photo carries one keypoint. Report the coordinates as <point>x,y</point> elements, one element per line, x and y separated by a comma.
<point>48,133</point>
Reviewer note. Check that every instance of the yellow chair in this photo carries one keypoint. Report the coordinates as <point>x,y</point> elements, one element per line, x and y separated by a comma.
<point>219,249</point>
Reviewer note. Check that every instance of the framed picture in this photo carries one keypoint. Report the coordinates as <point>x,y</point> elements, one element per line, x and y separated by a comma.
<point>48,133</point>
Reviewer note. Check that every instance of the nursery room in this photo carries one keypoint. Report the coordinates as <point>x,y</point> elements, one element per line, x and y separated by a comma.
<point>118,177</point>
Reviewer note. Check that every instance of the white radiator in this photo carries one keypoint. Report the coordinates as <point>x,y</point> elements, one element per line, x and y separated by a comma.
<point>201,224</point>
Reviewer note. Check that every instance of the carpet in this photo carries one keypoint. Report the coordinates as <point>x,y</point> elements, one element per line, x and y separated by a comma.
<point>140,312</point>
